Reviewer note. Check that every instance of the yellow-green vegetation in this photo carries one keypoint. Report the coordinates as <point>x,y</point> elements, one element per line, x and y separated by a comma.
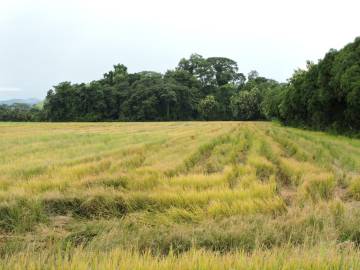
<point>185,195</point>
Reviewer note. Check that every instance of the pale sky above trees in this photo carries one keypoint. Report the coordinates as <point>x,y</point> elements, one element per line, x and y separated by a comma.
<point>45,42</point>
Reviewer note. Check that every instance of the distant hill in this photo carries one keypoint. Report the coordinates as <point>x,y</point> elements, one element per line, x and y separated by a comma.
<point>29,101</point>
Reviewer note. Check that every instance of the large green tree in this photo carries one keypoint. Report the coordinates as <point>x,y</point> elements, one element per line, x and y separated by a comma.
<point>246,105</point>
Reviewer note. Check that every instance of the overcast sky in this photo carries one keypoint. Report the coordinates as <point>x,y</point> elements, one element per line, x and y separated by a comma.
<point>46,42</point>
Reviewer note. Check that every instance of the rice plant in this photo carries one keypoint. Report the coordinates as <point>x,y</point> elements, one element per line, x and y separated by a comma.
<point>185,195</point>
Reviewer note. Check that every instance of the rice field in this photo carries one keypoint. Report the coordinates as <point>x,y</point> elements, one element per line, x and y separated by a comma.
<point>184,195</point>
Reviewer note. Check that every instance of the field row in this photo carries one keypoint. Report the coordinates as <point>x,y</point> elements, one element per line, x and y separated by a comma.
<point>174,188</point>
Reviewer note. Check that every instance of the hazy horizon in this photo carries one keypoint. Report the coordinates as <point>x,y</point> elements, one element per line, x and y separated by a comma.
<point>44,43</point>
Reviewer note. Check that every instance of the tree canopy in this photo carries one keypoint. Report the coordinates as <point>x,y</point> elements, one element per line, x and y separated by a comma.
<point>326,94</point>
<point>197,89</point>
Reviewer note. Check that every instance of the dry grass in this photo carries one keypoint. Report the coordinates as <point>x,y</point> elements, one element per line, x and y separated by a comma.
<point>205,195</point>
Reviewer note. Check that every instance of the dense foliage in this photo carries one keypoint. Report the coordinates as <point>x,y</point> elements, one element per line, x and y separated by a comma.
<point>20,112</point>
<point>327,94</point>
<point>197,89</point>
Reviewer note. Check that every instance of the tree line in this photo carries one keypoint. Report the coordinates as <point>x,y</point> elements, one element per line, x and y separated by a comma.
<point>20,112</point>
<point>197,89</point>
<point>325,95</point>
